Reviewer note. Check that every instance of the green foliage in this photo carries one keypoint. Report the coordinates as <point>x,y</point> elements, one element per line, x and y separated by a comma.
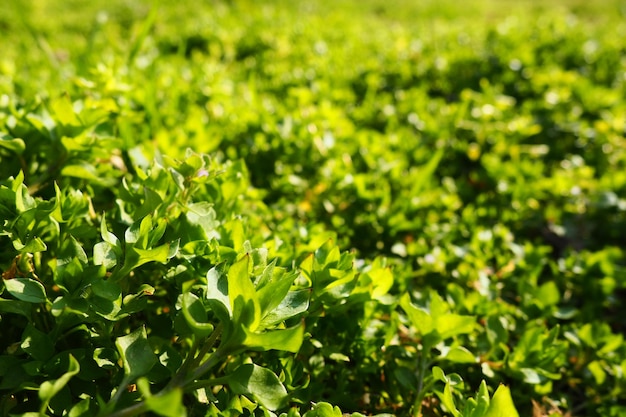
<point>235,209</point>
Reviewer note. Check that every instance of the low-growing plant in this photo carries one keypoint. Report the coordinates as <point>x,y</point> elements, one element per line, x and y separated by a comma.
<point>236,209</point>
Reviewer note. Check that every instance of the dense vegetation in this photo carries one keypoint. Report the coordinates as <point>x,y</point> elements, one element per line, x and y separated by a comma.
<point>226,208</point>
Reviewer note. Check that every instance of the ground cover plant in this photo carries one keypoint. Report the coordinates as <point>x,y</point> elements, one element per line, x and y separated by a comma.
<point>226,208</point>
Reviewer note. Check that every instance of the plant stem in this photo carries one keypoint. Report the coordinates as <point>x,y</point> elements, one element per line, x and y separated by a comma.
<point>422,367</point>
<point>203,383</point>
<point>217,356</point>
<point>193,360</point>
<point>133,410</point>
<point>179,380</point>
<point>208,344</point>
<point>119,391</point>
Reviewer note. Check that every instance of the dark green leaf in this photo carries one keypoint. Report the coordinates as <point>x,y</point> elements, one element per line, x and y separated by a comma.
<point>26,289</point>
<point>49,389</point>
<point>37,344</point>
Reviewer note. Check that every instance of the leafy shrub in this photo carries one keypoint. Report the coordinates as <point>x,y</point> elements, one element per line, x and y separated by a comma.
<point>176,201</point>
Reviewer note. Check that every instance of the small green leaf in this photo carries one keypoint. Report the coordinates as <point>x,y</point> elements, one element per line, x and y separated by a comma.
<point>405,377</point>
<point>599,374</point>
<point>159,254</point>
<point>33,245</point>
<point>449,325</point>
<point>448,400</point>
<point>15,307</point>
<point>459,354</point>
<point>104,254</point>
<point>26,289</point>
<point>169,404</point>
<point>83,170</point>
<point>14,145</point>
<point>419,318</point>
<point>36,343</point>
<point>324,410</point>
<point>105,357</point>
<point>478,407</point>
<point>439,374</point>
<point>108,236</point>
<point>261,383</point>
<point>49,389</point>
<point>106,289</point>
<point>548,294</point>
<point>327,255</point>
<point>501,404</point>
<point>217,294</point>
<point>137,356</point>
<point>63,111</point>
<point>294,303</point>
<point>273,292</point>
<point>243,298</point>
<point>196,316</point>
<point>288,340</point>
<point>81,408</point>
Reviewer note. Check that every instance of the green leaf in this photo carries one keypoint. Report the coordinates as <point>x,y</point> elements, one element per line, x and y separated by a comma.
<point>289,339</point>
<point>138,232</point>
<point>63,110</point>
<point>273,292</point>
<point>83,170</point>
<point>109,309</point>
<point>324,409</point>
<point>49,389</point>
<point>151,202</point>
<point>327,255</point>
<point>419,318</point>
<point>548,294</point>
<point>202,217</point>
<point>15,307</point>
<point>137,356</point>
<point>405,377</point>
<point>439,374</point>
<point>159,254</point>
<point>478,407</point>
<point>33,245</point>
<point>36,343</point>
<point>196,315</point>
<point>109,237</point>
<point>169,404</point>
<point>294,303</point>
<point>106,289</point>
<point>244,302</point>
<point>596,369</point>
<point>217,294</point>
<point>104,254</point>
<point>14,145</point>
<point>261,383</point>
<point>459,354</point>
<point>448,400</point>
<point>26,289</point>
<point>449,325</point>
<point>136,257</point>
<point>501,404</point>
<point>80,409</point>
<point>427,171</point>
<point>23,200</point>
<point>380,281</point>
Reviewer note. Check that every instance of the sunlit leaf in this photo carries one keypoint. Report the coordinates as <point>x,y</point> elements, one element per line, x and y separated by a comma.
<point>26,289</point>
<point>261,383</point>
<point>137,356</point>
